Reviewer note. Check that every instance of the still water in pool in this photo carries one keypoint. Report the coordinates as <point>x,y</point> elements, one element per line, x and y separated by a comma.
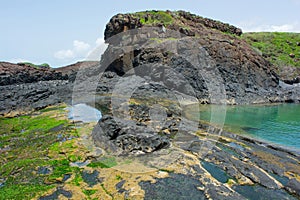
<point>278,124</point>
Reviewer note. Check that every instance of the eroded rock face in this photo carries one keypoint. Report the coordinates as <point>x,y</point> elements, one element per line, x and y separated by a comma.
<point>120,23</point>
<point>151,55</point>
<point>146,125</point>
<point>184,52</point>
<point>246,77</point>
<point>24,88</point>
<point>127,137</point>
<point>22,73</point>
<point>185,22</point>
<point>166,50</point>
<point>30,96</point>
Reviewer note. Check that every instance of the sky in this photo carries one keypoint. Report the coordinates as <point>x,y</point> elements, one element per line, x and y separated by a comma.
<point>62,32</point>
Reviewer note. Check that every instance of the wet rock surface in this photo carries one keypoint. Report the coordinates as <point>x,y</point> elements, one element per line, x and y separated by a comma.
<point>224,166</point>
<point>182,187</point>
<point>56,194</point>
<point>91,178</point>
<point>258,192</point>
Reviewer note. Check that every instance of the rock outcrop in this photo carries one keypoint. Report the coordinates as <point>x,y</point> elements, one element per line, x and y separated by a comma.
<point>22,73</point>
<point>168,43</point>
<point>182,21</point>
<point>24,87</point>
<point>162,60</point>
<point>194,56</point>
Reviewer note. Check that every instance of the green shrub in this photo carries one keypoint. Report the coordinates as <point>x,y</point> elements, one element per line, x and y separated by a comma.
<point>276,47</point>
<point>155,17</point>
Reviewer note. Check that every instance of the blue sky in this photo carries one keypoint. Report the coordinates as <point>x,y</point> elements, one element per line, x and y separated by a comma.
<point>61,32</point>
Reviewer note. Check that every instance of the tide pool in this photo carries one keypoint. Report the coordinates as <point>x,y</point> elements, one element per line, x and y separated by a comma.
<point>84,113</point>
<point>278,124</point>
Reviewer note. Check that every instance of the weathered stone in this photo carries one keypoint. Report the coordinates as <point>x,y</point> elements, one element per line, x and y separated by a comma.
<point>294,186</point>
<point>117,135</point>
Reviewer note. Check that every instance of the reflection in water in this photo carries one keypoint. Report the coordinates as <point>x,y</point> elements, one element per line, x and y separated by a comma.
<point>84,113</point>
<point>279,124</point>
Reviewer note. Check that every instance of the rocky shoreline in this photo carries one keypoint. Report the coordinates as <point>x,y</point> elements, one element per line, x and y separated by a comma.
<point>207,61</point>
<point>156,62</point>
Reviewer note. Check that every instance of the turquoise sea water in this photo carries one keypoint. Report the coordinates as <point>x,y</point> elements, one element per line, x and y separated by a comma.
<point>278,124</point>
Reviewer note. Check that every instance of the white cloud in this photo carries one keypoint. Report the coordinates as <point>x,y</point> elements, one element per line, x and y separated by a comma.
<point>78,51</point>
<point>258,27</point>
<point>282,28</point>
<point>82,51</point>
<point>80,46</point>
<point>96,52</point>
<point>18,60</point>
<point>64,54</point>
<point>100,41</point>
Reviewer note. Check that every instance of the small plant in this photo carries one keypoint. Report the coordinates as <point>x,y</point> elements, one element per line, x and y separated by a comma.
<point>60,167</point>
<point>44,65</point>
<point>155,17</point>
<point>74,158</point>
<point>105,190</point>
<point>78,178</point>
<point>89,192</point>
<point>119,177</point>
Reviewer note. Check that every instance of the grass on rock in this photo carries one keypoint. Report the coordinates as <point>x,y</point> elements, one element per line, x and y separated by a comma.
<point>281,49</point>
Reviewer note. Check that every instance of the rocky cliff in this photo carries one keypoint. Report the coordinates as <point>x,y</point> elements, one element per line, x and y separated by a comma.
<point>182,44</point>
<point>157,62</point>
<point>194,56</point>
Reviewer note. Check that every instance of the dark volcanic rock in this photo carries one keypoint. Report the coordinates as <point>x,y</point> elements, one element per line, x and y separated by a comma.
<point>118,135</point>
<point>36,95</point>
<point>162,60</point>
<point>24,87</point>
<point>182,52</point>
<point>82,67</point>
<point>196,59</point>
<point>260,193</point>
<point>143,82</point>
<point>21,73</point>
<point>209,23</point>
<point>290,75</point>
<point>120,23</point>
<point>294,186</point>
<point>123,22</point>
<point>58,192</point>
<point>177,186</point>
